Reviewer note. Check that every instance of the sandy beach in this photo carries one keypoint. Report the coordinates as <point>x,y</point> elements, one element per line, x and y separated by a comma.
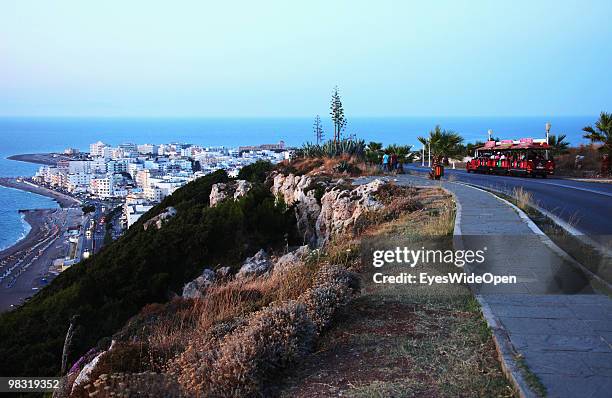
<point>62,199</point>
<point>24,267</point>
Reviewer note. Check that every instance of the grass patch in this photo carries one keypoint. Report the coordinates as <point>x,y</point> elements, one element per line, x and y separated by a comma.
<point>532,379</point>
<point>405,340</point>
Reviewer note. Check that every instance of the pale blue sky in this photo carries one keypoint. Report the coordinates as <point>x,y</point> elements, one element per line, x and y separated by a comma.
<point>280,58</point>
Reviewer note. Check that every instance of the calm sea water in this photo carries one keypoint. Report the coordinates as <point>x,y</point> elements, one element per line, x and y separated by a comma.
<point>26,135</point>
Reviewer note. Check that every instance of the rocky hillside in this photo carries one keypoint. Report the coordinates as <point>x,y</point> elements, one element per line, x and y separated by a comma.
<point>224,260</point>
<point>168,247</point>
<point>234,328</point>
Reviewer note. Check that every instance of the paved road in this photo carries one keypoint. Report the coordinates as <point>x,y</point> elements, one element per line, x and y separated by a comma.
<point>585,205</point>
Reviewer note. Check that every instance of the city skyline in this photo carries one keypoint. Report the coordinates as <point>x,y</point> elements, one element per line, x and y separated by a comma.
<point>274,59</point>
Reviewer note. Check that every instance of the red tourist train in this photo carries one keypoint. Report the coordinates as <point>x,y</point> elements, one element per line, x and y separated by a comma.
<point>526,157</point>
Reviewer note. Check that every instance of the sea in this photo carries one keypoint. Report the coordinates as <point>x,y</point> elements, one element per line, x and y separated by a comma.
<point>20,135</point>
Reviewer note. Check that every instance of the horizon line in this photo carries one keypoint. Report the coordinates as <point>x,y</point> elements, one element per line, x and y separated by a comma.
<point>277,117</point>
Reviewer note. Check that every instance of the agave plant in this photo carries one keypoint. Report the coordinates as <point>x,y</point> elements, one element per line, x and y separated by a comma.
<point>331,149</point>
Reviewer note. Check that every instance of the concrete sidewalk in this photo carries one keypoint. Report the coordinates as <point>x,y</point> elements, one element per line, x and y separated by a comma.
<point>551,318</point>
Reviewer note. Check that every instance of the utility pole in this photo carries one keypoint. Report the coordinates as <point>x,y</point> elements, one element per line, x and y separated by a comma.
<point>429,153</point>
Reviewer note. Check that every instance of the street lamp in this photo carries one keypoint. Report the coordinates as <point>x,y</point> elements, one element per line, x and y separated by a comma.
<point>548,126</point>
<point>423,157</point>
<point>490,134</point>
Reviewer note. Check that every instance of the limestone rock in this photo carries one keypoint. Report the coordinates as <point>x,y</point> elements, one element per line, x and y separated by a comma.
<point>223,273</point>
<point>159,219</point>
<point>296,190</point>
<point>242,188</point>
<point>257,265</point>
<point>85,373</point>
<point>342,209</point>
<point>197,287</point>
<point>221,191</point>
<point>291,260</point>
<point>218,193</point>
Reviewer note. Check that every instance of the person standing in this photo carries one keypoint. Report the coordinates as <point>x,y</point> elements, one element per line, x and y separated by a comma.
<point>385,162</point>
<point>393,162</point>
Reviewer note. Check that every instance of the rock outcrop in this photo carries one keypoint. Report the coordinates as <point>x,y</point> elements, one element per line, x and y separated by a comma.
<point>85,373</point>
<point>257,265</point>
<point>242,188</point>
<point>340,208</point>
<point>197,287</point>
<point>291,260</point>
<point>300,191</point>
<point>221,191</point>
<point>159,219</point>
<point>218,194</point>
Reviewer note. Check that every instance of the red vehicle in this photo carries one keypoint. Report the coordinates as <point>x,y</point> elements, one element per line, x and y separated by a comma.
<point>526,157</point>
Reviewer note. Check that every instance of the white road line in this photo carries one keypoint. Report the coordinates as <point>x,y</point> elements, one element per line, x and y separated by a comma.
<point>578,188</point>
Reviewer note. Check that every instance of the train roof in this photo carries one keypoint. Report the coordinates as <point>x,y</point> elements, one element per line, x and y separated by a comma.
<point>522,144</point>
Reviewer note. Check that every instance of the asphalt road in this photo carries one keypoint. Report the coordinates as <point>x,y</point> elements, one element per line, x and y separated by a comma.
<point>585,205</point>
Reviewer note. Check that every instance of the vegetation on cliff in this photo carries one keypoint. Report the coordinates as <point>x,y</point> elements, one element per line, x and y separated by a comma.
<point>142,267</point>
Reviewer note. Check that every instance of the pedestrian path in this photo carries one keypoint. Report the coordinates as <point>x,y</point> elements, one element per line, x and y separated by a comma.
<point>552,319</point>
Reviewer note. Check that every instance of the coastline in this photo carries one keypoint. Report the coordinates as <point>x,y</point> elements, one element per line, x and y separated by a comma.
<point>63,200</point>
<point>47,159</point>
<point>32,257</point>
<point>35,219</point>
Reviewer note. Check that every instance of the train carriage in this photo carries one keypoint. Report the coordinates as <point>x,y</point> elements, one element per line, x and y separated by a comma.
<point>525,157</point>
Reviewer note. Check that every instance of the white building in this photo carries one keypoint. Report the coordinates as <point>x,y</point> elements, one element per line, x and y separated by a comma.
<point>78,182</point>
<point>97,149</point>
<point>147,149</point>
<point>132,212</point>
<point>154,194</point>
<point>102,186</point>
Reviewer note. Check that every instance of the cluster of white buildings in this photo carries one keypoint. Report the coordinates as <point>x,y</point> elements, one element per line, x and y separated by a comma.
<point>143,175</point>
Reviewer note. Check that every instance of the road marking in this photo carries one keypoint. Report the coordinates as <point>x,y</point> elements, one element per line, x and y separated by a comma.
<point>578,188</point>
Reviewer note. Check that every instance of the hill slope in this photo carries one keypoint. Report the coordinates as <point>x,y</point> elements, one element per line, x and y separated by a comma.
<point>144,266</point>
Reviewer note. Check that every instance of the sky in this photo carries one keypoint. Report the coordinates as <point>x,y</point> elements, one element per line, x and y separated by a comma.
<point>282,58</point>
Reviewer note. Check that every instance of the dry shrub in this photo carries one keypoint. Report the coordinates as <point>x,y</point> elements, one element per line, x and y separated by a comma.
<point>147,384</point>
<point>389,192</point>
<point>322,302</point>
<point>401,205</point>
<point>342,251</point>
<point>440,222</point>
<point>334,274</point>
<point>333,288</point>
<point>294,281</point>
<point>325,166</point>
<point>524,199</point>
<point>272,339</point>
<point>193,368</point>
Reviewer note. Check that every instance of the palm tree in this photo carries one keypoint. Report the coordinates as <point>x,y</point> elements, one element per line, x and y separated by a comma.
<point>558,144</point>
<point>404,153</point>
<point>601,133</point>
<point>373,152</point>
<point>445,144</point>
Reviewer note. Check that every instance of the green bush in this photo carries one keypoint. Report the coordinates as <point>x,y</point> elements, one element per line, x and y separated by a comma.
<point>256,172</point>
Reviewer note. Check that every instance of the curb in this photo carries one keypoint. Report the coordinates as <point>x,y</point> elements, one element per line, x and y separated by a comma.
<point>505,350</point>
